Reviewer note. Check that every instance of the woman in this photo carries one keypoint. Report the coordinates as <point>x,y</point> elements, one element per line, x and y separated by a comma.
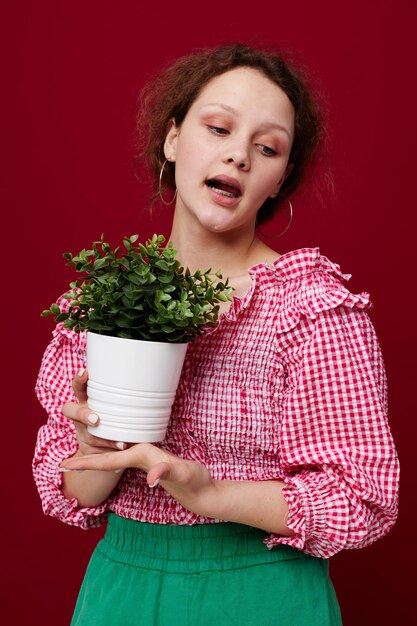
<point>278,437</point>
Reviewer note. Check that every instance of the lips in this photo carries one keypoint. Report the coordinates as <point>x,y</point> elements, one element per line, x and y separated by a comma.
<point>225,186</point>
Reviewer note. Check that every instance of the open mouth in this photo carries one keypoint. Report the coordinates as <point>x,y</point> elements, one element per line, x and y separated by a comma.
<point>223,188</point>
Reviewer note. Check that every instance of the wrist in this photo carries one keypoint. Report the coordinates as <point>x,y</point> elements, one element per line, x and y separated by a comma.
<point>213,503</point>
<point>255,503</point>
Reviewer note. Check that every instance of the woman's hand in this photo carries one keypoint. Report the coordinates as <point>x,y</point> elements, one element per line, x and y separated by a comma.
<point>255,503</point>
<point>260,504</point>
<point>189,482</point>
<point>82,417</point>
<point>89,488</point>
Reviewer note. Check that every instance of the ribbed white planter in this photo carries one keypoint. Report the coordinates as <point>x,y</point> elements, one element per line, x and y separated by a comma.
<point>132,386</point>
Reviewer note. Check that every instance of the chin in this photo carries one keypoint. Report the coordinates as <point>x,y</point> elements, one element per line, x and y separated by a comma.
<point>213,225</point>
<point>218,227</point>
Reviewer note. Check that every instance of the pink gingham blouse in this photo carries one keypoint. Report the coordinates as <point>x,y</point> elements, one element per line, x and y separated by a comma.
<point>290,386</point>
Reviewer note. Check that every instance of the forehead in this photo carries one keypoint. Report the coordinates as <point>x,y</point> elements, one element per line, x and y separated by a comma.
<point>248,91</point>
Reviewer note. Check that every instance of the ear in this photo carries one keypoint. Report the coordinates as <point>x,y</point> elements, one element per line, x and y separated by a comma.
<point>170,145</point>
<point>287,173</point>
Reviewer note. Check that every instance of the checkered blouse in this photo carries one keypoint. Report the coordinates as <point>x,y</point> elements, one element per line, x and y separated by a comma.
<point>290,385</point>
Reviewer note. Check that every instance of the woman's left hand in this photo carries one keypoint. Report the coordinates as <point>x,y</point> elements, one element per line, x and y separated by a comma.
<point>189,482</point>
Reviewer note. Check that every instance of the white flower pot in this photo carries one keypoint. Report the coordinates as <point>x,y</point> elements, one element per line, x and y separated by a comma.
<point>132,386</point>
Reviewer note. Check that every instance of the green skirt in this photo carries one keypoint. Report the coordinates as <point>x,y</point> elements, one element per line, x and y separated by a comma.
<point>156,575</point>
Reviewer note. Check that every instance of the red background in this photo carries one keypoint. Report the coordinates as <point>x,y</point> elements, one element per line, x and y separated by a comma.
<point>72,73</point>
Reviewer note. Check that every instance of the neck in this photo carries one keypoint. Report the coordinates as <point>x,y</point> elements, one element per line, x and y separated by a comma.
<point>230,252</point>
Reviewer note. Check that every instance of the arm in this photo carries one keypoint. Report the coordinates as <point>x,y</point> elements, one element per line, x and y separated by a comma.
<point>82,497</point>
<point>57,440</point>
<point>341,467</point>
<point>258,504</point>
<point>89,488</point>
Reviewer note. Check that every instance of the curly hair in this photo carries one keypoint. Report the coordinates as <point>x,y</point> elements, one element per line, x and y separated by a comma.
<point>171,94</point>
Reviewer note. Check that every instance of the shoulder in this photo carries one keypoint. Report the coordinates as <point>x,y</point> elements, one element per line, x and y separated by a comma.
<point>303,284</point>
<point>65,340</point>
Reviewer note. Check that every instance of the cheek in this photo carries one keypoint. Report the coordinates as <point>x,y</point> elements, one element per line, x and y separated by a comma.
<point>276,177</point>
<point>268,183</point>
<point>188,155</point>
<point>188,169</point>
<point>192,163</point>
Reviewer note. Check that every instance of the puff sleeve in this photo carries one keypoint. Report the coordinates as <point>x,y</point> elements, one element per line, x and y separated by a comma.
<point>56,440</point>
<point>338,457</point>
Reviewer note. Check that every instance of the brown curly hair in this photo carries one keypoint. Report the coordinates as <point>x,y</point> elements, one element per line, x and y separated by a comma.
<point>171,94</point>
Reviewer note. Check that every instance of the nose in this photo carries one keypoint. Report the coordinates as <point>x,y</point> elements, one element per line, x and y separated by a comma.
<point>239,156</point>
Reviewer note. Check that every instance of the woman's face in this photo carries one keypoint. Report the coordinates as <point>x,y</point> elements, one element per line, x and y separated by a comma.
<point>231,151</point>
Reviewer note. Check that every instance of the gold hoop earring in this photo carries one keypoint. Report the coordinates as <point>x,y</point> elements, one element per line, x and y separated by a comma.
<point>285,229</point>
<point>160,187</point>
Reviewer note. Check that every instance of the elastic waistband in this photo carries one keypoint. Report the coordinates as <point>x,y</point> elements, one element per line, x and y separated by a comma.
<point>188,549</point>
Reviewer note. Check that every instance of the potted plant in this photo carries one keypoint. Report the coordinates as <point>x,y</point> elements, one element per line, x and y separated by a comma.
<point>141,309</point>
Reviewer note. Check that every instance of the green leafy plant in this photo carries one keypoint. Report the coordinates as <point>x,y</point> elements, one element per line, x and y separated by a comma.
<point>143,293</point>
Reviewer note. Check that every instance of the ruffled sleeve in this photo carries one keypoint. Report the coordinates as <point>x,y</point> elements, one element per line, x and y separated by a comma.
<point>339,462</point>
<point>63,358</point>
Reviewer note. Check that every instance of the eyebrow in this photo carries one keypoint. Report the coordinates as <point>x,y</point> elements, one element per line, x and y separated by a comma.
<point>266,125</point>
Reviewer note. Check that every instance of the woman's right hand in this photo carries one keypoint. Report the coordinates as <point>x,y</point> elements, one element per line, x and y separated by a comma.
<point>83,416</point>
<point>93,487</point>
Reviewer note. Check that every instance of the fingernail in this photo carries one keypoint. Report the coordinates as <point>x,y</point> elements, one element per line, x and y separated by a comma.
<point>121,445</point>
<point>155,484</point>
<point>64,469</point>
<point>80,372</point>
<point>118,471</point>
<point>92,418</point>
